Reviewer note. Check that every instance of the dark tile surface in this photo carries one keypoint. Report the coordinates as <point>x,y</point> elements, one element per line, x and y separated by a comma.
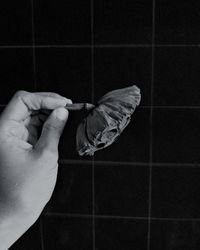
<point>177,76</point>
<point>177,21</point>
<point>16,23</point>
<point>121,190</point>
<point>118,22</point>
<point>176,135</point>
<point>175,235</point>
<point>30,240</point>
<point>176,192</point>
<point>16,72</point>
<point>73,191</point>
<point>67,233</point>
<point>133,143</point>
<point>66,71</point>
<point>118,234</point>
<point>122,67</point>
<point>63,22</point>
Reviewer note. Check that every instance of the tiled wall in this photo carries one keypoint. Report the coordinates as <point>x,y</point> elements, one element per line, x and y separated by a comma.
<point>143,192</point>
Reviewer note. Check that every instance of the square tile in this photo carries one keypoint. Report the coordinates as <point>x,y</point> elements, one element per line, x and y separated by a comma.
<point>127,22</point>
<point>175,235</point>
<point>66,71</point>
<point>118,234</point>
<point>133,143</point>
<point>122,67</point>
<point>16,72</point>
<point>176,192</point>
<point>121,190</point>
<point>62,22</point>
<point>176,135</point>
<point>73,191</point>
<point>177,21</point>
<point>67,233</point>
<point>16,23</point>
<point>179,84</point>
<point>31,239</point>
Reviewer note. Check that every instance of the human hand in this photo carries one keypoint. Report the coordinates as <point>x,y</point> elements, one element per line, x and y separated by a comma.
<point>28,158</point>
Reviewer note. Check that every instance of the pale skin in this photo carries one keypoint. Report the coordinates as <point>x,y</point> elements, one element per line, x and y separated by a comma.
<point>28,159</point>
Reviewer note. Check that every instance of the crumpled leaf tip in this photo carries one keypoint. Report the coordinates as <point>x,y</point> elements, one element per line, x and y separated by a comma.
<point>107,120</point>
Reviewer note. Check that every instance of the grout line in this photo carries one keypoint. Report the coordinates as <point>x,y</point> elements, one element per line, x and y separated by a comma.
<point>176,45</point>
<point>151,128</point>
<point>127,164</point>
<point>16,46</point>
<point>122,46</point>
<point>175,165</point>
<point>100,46</point>
<point>35,89</point>
<point>99,163</point>
<point>92,99</point>
<point>100,216</point>
<point>93,204</point>
<point>76,215</point>
<point>43,46</point>
<point>33,46</point>
<point>96,216</point>
<point>41,233</point>
<point>147,45</point>
<point>176,219</point>
<point>171,107</point>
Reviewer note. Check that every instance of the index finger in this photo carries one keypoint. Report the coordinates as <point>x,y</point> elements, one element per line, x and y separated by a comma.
<point>23,103</point>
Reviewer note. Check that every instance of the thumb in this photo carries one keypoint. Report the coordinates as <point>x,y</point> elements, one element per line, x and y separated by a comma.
<point>52,130</point>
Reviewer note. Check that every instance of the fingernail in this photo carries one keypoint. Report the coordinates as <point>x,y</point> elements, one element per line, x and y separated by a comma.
<point>67,100</point>
<point>61,114</point>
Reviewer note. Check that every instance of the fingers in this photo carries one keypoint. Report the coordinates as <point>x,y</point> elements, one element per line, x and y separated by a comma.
<point>52,131</point>
<point>23,103</point>
<point>52,94</point>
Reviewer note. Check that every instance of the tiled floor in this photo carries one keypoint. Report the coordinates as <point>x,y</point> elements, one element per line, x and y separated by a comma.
<point>143,191</point>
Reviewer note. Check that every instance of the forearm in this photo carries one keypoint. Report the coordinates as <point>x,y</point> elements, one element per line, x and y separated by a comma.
<point>13,225</point>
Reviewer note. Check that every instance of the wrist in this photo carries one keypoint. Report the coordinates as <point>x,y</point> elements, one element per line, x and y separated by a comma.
<point>13,224</point>
<point>17,210</point>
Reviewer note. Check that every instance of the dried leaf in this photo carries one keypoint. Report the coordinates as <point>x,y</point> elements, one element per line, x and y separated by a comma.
<point>107,120</point>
